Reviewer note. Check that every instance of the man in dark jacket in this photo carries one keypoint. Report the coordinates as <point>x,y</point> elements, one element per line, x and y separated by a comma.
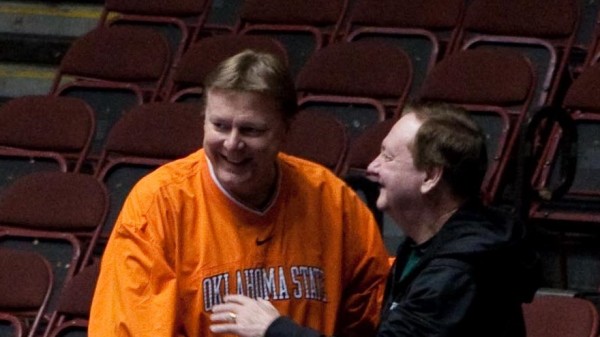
<point>463,269</point>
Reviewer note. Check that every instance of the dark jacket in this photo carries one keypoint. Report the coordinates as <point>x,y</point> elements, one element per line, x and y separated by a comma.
<point>470,280</point>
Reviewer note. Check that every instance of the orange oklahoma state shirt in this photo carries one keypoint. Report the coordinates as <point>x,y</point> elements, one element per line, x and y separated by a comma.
<point>181,244</point>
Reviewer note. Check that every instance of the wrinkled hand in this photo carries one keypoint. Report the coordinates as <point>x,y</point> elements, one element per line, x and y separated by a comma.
<point>243,316</point>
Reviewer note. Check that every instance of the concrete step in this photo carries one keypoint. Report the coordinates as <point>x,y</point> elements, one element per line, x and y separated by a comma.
<point>34,35</point>
<point>20,80</point>
<point>43,18</point>
<point>33,49</point>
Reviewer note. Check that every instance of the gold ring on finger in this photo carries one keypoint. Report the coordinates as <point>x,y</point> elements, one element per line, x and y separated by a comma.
<point>231,317</point>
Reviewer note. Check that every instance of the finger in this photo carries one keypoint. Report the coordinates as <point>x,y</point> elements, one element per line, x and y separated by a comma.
<point>224,317</point>
<point>264,303</point>
<point>229,307</point>
<point>223,328</point>
<point>239,299</point>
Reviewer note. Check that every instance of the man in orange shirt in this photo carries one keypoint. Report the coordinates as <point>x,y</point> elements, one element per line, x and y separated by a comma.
<point>239,217</point>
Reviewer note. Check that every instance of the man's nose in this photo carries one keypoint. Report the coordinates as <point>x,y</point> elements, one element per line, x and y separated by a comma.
<point>233,141</point>
<point>372,170</point>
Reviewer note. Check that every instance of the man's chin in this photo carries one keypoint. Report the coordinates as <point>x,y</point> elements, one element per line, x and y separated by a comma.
<point>381,204</point>
<point>233,180</point>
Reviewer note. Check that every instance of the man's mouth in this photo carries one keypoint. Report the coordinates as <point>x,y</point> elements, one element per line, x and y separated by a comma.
<point>235,161</point>
<point>372,177</point>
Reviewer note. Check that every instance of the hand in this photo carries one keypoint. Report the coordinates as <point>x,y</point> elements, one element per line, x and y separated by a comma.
<point>243,316</point>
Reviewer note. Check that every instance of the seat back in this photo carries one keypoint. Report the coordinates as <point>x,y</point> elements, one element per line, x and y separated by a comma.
<point>117,55</point>
<point>581,200</point>
<point>367,146</point>
<point>205,55</point>
<point>582,93</point>
<point>347,76</point>
<point>112,69</point>
<point>179,20</point>
<point>361,152</point>
<point>319,137</point>
<point>560,316</point>
<point>146,137</point>
<point>543,31</point>
<point>44,133</point>
<point>25,285</point>
<point>57,214</point>
<point>73,310</point>
<point>497,88</point>
<point>424,29</point>
<point>303,26</point>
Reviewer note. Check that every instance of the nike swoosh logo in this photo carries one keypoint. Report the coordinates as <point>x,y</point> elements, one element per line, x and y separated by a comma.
<point>262,242</point>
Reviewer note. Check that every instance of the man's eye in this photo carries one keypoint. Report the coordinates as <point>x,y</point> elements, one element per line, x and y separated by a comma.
<point>219,126</point>
<point>252,131</point>
<point>386,157</point>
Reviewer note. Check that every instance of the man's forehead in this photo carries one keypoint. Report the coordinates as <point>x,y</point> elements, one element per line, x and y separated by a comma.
<point>407,126</point>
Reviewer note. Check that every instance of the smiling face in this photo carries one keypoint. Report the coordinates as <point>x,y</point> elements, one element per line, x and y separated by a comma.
<point>243,132</point>
<point>394,170</point>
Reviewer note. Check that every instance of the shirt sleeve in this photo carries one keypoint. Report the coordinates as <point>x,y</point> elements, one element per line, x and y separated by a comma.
<point>434,304</point>
<point>365,268</point>
<point>136,290</point>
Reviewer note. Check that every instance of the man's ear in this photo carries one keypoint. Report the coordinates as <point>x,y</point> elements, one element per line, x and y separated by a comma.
<point>433,177</point>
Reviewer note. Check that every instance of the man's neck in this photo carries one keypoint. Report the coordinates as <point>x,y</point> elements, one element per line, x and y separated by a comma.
<point>425,223</point>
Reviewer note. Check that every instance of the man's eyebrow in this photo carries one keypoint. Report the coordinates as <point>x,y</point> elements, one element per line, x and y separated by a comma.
<point>254,125</point>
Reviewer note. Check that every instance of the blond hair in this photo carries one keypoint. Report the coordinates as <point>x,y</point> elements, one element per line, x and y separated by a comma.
<point>258,72</point>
